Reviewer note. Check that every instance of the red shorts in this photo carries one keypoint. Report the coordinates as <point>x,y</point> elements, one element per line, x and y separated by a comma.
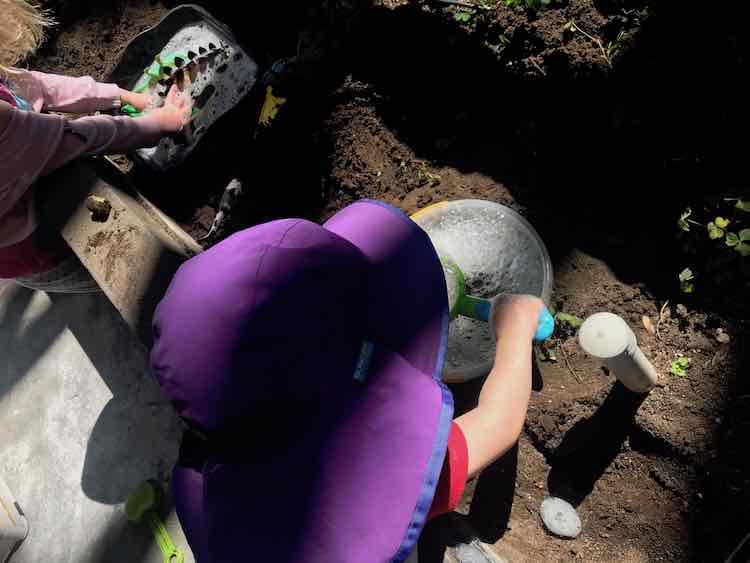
<point>453,476</point>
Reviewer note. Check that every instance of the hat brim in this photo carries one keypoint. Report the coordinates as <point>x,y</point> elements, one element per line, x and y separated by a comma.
<point>407,302</point>
<point>358,483</point>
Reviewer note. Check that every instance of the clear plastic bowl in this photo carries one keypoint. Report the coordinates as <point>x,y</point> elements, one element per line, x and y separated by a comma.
<point>498,252</point>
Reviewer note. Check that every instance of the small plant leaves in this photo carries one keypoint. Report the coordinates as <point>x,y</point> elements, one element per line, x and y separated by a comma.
<point>462,16</point>
<point>686,275</point>
<point>732,239</point>
<point>721,222</point>
<point>537,5</point>
<point>687,287</point>
<point>680,366</point>
<point>682,221</point>
<point>570,320</point>
<point>686,281</point>
<point>743,205</point>
<point>714,231</point>
<point>743,247</point>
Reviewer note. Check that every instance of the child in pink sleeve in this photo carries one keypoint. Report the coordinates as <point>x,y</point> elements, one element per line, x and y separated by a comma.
<point>33,143</point>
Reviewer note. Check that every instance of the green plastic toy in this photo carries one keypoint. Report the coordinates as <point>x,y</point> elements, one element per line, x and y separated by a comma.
<point>142,506</point>
<point>151,77</point>
<point>459,303</point>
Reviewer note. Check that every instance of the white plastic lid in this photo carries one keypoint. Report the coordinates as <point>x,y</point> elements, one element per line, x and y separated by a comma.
<point>604,335</point>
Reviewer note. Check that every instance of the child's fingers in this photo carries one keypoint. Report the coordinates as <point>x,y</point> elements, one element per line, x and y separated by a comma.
<point>172,94</point>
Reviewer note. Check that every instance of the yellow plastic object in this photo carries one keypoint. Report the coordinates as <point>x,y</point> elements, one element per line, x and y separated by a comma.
<point>271,107</point>
<point>422,213</point>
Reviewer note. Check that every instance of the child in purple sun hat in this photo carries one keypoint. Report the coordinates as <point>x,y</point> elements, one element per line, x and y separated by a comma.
<point>306,360</point>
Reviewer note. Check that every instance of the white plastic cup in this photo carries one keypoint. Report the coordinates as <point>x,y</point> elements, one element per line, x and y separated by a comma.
<point>608,337</point>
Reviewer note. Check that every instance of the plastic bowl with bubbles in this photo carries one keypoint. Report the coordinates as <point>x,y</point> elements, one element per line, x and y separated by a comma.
<point>498,252</point>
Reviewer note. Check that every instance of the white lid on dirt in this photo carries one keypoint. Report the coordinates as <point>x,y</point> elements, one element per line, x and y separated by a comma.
<point>560,518</point>
<point>605,335</point>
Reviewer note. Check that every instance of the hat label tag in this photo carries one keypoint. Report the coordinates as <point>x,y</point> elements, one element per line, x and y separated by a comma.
<point>364,361</point>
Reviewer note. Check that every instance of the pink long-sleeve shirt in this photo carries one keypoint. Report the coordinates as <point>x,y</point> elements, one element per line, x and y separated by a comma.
<point>33,144</point>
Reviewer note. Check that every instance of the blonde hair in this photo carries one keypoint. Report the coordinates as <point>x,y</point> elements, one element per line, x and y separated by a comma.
<point>22,29</point>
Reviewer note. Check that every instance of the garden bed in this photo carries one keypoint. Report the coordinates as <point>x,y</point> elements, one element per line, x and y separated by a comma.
<point>600,121</point>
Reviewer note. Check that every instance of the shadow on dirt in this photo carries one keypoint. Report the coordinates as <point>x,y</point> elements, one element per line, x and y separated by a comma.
<point>591,445</point>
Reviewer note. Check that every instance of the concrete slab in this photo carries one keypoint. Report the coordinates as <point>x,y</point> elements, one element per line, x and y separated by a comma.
<point>83,422</point>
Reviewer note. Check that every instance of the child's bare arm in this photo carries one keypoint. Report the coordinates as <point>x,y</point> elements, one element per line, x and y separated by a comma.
<point>494,425</point>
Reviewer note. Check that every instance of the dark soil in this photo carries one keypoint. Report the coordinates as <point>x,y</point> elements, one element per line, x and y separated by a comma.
<point>601,153</point>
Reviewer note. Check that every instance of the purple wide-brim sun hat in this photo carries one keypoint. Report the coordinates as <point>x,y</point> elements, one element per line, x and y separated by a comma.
<point>310,356</point>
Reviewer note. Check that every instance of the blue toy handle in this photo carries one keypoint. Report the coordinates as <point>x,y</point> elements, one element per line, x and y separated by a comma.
<point>480,309</point>
<point>546,326</point>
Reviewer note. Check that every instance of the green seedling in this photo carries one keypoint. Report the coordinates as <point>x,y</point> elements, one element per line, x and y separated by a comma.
<point>534,5</point>
<point>684,221</point>
<point>142,507</point>
<point>462,16</point>
<point>427,177</point>
<point>740,242</point>
<point>716,228</point>
<point>613,47</point>
<point>743,205</point>
<point>573,27</point>
<point>571,320</point>
<point>538,5</point>
<point>686,278</point>
<point>680,366</point>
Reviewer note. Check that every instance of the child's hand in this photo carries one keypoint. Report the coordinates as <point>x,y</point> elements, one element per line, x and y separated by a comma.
<point>175,113</point>
<point>516,313</point>
<point>139,101</point>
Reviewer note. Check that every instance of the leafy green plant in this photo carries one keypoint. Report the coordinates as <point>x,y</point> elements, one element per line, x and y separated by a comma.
<point>680,366</point>
<point>740,242</point>
<point>462,16</point>
<point>568,319</point>
<point>684,221</point>
<point>534,5</point>
<point>719,248</point>
<point>538,5</point>
<point>686,278</point>
<point>613,47</point>
<point>716,228</point>
<point>426,177</point>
